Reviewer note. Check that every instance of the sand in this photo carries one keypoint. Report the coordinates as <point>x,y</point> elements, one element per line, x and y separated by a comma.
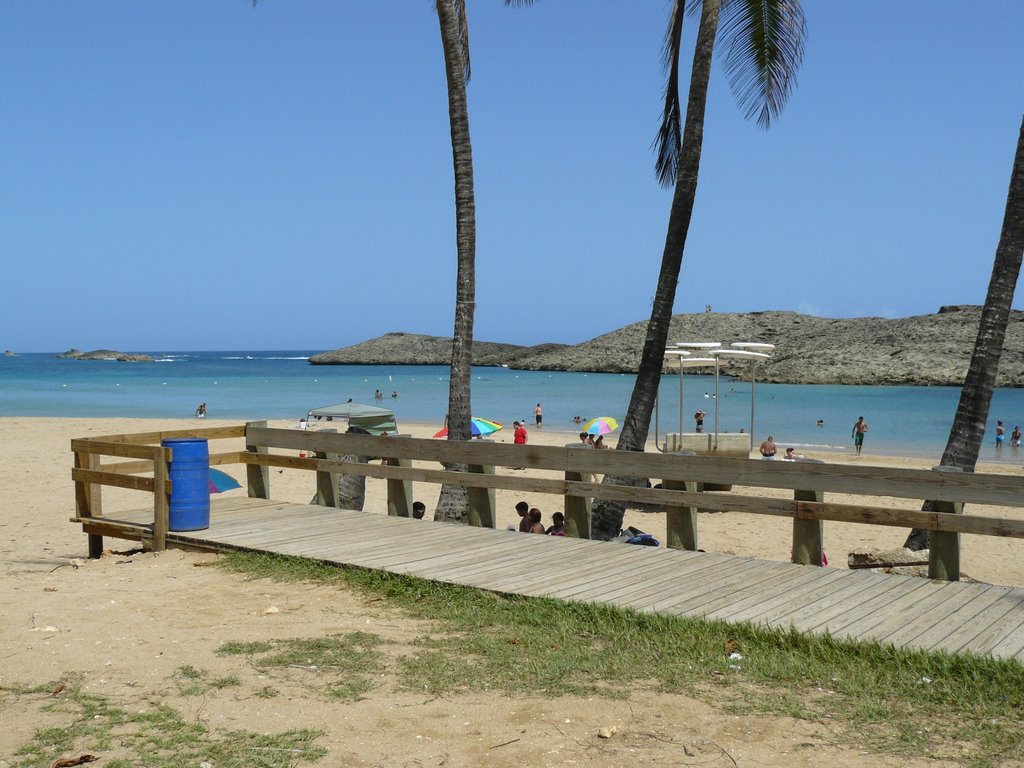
<point>120,626</point>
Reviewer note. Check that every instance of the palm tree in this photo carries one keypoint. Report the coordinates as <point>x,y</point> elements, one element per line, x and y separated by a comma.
<point>763,42</point>
<point>451,15</point>
<point>453,502</point>
<point>968,428</point>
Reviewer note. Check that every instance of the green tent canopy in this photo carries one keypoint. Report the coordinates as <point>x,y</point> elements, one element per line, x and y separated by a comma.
<point>374,420</point>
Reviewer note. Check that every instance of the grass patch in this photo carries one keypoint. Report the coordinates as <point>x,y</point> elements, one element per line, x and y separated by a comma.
<point>964,708</point>
<point>156,737</point>
<point>350,661</point>
<point>197,682</point>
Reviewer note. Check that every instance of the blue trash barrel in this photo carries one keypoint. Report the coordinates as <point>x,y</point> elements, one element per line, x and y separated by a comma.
<point>190,483</point>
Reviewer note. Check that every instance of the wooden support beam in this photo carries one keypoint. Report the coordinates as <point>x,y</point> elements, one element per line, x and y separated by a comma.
<point>142,438</point>
<point>257,477</point>
<point>808,535</point>
<point>400,493</point>
<point>88,499</point>
<point>681,522</point>
<point>944,548</point>
<point>483,511</point>
<point>96,477</point>
<point>327,482</point>
<point>161,494</point>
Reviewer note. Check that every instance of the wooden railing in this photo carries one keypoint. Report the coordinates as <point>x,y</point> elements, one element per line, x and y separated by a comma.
<point>686,483</point>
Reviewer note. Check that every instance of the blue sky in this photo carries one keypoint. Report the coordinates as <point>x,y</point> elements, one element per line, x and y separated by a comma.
<point>206,175</point>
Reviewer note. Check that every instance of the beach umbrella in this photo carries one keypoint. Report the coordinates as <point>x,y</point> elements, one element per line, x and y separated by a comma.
<point>477,428</point>
<point>222,481</point>
<point>602,425</point>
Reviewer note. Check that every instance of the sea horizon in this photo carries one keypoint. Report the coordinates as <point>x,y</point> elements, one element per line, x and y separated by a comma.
<point>281,384</point>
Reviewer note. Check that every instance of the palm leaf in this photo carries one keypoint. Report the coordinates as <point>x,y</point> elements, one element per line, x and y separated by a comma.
<point>669,139</point>
<point>763,41</point>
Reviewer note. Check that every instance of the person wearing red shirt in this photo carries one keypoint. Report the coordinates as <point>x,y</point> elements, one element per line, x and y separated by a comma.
<point>519,437</point>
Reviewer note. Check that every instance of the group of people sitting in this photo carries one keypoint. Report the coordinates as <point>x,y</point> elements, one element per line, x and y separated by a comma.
<point>588,439</point>
<point>769,448</point>
<point>530,521</point>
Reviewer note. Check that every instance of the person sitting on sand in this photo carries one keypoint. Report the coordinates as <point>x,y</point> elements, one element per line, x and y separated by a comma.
<point>792,455</point>
<point>536,526</point>
<point>584,438</point>
<point>418,509</point>
<point>599,443</point>
<point>523,510</point>
<point>557,525</point>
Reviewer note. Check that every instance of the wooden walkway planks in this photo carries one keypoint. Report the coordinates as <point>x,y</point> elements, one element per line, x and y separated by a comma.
<point>855,605</point>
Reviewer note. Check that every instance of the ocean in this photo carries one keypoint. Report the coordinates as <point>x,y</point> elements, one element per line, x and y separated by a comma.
<point>245,385</point>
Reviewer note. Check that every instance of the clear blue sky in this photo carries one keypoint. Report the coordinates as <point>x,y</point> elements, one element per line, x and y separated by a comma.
<point>206,175</point>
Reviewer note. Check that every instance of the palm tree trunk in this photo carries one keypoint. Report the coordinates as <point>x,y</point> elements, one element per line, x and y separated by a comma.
<point>607,515</point>
<point>968,428</point>
<point>454,500</point>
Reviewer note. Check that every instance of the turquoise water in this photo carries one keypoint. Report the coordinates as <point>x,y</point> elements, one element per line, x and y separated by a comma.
<point>282,385</point>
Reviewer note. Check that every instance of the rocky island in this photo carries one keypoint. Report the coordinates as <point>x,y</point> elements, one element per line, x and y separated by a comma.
<point>924,350</point>
<point>107,354</point>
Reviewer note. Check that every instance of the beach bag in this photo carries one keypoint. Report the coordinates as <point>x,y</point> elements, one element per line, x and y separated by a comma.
<point>644,540</point>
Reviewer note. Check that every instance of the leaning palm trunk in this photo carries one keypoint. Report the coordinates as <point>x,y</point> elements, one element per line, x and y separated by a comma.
<point>454,500</point>
<point>607,515</point>
<point>352,488</point>
<point>968,428</point>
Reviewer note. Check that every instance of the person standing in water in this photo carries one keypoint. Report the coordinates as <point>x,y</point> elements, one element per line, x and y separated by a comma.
<point>858,434</point>
<point>1000,434</point>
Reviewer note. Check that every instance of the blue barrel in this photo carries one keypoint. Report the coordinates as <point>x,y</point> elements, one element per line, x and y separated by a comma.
<point>190,483</point>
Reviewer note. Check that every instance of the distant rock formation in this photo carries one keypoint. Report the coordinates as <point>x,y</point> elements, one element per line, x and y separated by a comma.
<point>925,350</point>
<point>417,349</point>
<point>107,354</point>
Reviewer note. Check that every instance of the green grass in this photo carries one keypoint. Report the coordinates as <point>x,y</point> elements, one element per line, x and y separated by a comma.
<point>155,737</point>
<point>903,702</point>
<point>349,661</point>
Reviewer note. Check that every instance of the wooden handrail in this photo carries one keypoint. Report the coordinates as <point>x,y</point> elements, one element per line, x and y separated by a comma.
<point>681,496</point>
<point>977,488</point>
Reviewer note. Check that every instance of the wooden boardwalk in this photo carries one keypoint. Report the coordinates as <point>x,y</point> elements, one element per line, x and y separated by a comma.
<point>856,605</point>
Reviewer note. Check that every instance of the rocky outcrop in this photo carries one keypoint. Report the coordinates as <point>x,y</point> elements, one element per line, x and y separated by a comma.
<point>927,350</point>
<point>107,354</point>
<point>417,349</point>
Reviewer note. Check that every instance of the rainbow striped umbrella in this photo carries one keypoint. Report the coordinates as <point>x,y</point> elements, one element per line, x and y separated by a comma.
<point>477,428</point>
<point>602,425</point>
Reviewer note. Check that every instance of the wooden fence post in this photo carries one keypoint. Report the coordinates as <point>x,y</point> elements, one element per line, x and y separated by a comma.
<point>944,551</point>
<point>257,477</point>
<point>400,491</point>
<point>577,509</point>
<point>808,535</point>
<point>161,489</point>
<point>327,482</point>
<point>681,522</point>
<point>482,507</point>
<point>88,500</point>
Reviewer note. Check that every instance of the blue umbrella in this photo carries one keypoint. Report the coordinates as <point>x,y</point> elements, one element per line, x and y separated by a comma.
<point>222,481</point>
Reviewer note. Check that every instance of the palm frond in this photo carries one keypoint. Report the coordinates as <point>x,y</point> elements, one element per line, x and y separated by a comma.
<point>668,142</point>
<point>517,3</point>
<point>763,41</point>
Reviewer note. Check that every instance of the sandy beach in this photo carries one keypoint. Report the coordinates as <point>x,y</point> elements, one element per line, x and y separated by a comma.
<point>121,625</point>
